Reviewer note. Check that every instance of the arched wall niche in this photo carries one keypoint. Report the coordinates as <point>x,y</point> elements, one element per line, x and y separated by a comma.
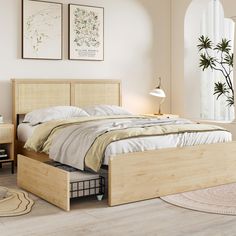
<point>192,85</point>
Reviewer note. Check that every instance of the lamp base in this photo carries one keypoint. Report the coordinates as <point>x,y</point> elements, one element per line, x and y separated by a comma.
<point>158,114</point>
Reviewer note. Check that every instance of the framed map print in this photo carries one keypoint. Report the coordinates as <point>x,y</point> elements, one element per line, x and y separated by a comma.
<point>41,30</point>
<point>86,33</point>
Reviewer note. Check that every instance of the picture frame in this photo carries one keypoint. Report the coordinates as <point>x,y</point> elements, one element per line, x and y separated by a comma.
<point>42,30</point>
<point>86,32</point>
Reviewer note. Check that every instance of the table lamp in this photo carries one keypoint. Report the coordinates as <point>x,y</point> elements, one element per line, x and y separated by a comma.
<point>158,92</point>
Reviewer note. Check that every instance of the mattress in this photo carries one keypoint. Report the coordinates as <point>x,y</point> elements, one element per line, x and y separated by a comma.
<point>25,131</point>
<point>167,141</point>
<point>73,143</point>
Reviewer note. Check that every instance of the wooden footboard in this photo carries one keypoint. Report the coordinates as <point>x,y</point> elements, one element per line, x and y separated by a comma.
<point>45,181</point>
<point>140,176</point>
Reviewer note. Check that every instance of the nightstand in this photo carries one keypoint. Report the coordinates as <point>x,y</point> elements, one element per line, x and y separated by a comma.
<point>164,116</point>
<point>7,144</point>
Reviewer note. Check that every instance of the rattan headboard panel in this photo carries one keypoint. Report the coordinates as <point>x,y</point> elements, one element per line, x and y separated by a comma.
<point>94,93</point>
<point>34,95</point>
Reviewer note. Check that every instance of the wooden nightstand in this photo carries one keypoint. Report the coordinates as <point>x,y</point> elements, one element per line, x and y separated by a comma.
<point>164,116</point>
<point>7,143</point>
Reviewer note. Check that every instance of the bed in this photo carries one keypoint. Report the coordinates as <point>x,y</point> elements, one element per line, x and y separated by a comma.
<point>133,176</point>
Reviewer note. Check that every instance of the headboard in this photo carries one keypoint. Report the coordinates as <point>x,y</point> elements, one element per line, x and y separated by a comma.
<point>31,94</point>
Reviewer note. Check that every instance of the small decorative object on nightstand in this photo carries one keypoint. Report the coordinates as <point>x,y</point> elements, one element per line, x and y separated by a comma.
<point>158,92</point>
<point>7,145</point>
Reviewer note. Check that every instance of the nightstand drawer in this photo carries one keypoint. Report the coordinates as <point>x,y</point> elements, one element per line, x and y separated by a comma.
<point>6,133</point>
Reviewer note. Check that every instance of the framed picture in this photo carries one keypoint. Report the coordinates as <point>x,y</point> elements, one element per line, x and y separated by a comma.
<point>86,33</point>
<point>42,30</point>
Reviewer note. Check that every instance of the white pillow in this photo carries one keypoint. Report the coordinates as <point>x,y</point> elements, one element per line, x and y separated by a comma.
<point>106,110</point>
<point>53,113</point>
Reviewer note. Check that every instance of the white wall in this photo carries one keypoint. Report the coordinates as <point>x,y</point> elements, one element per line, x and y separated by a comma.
<point>137,50</point>
<point>178,11</point>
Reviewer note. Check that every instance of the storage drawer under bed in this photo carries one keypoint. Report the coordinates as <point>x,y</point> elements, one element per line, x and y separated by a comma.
<point>57,183</point>
<point>82,183</point>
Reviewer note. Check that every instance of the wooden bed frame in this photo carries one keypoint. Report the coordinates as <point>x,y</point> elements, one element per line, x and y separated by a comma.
<point>132,177</point>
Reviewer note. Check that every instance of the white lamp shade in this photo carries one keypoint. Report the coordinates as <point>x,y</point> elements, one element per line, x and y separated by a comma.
<point>157,92</point>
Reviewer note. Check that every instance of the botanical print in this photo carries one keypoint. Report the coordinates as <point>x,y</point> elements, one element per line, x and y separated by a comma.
<point>42,30</point>
<point>86,28</point>
<point>86,33</point>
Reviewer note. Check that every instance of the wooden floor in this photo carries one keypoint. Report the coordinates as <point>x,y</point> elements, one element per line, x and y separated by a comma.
<point>93,218</point>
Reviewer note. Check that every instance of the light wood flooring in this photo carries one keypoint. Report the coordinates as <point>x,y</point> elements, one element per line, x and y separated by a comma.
<point>93,218</point>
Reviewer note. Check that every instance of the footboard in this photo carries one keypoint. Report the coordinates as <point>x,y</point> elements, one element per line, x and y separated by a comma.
<point>145,175</point>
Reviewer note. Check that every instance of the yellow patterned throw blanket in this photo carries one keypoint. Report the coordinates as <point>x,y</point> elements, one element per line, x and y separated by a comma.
<point>82,142</point>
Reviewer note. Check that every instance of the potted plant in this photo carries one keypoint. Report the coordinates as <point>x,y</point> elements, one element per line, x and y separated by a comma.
<point>221,61</point>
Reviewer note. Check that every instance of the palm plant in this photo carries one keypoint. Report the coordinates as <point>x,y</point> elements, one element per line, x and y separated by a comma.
<point>222,61</point>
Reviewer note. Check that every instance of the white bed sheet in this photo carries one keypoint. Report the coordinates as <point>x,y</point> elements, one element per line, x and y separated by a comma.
<point>166,141</point>
<point>24,131</point>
